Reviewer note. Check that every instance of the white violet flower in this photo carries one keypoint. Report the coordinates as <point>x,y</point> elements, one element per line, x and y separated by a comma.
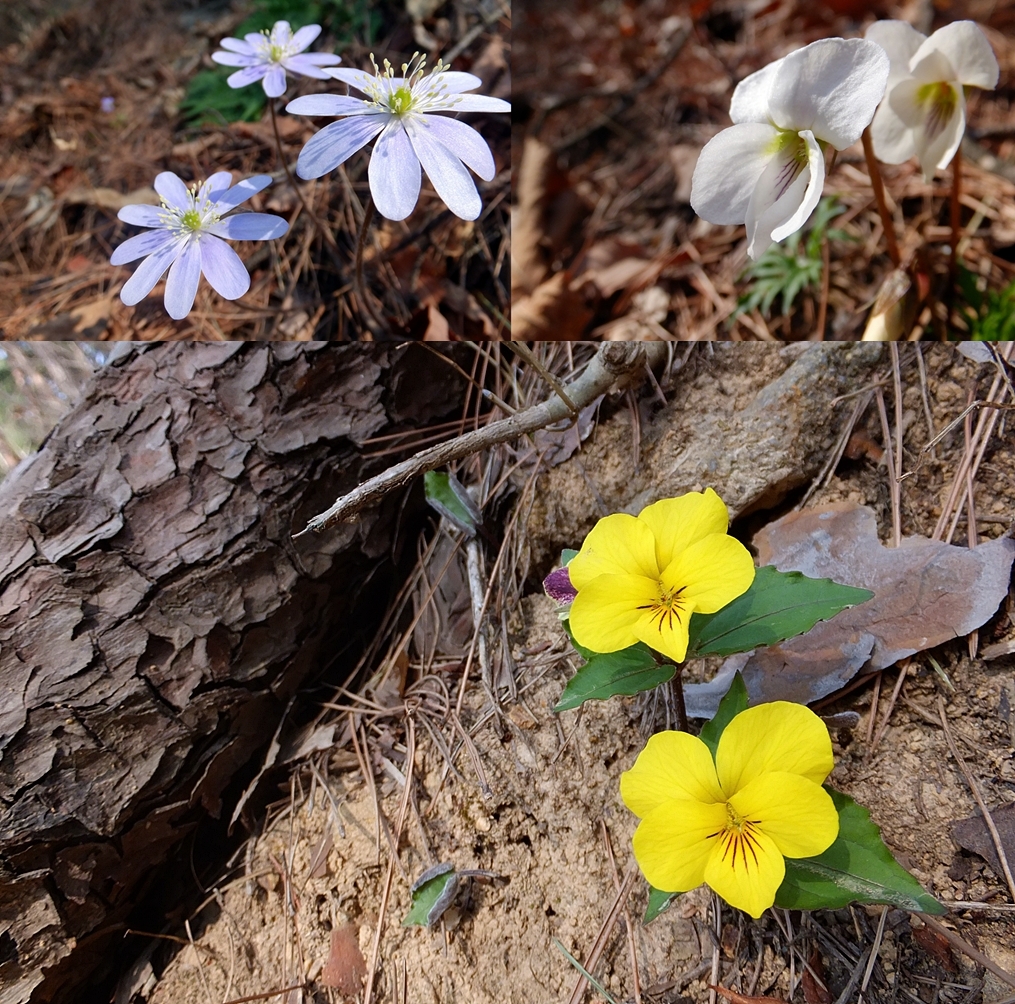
<point>266,57</point>
<point>767,169</point>
<point>399,111</point>
<point>185,238</point>
<point>924,110</point>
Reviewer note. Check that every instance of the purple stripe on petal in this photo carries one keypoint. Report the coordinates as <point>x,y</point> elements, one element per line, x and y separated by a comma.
<point>173,190</point>
<point>223,269</point>
<point>302,38</point>
<point>250,75</point>
<point>235,59</point>
<point>329,104</point>
<point>394,174</point>
<point>249,227</point>
<point>558,586</point>
<point>274,82</point>
<point>308,66</point>
<point>141,246</point>
<point>464,142</point>
<point>336,143</point>
<point>447,173</point>
<point>148,273</point>
<point>236,45</point>
<point>181,286</point>
<point>142,216</point>
<point>240,192</point>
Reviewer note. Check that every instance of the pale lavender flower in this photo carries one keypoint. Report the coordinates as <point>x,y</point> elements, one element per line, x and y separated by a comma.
<point>266,57</point>
<point>398,111</point>
<point>185,238</point>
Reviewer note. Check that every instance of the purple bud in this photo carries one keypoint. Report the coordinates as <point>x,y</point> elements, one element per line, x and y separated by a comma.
<point>558,586</point>
<point>106,104</point>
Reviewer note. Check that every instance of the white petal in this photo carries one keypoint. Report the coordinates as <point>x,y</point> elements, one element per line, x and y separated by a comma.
<point>394,174</point>
<point>336,143</point>
<point>931,67</point>
<point>181,286</point>
<point>309,64</point>
<point>173,190</point>
<point>274,82</point>
<point>832,87</point>
<point>905,104</point>
<point>450,81</point>
<point>141,283</point>
<point>248,75</point>
<point>354,78</point>
<point>236,45</point>
<point>281,33</point>
<point>328,104</point>
<point>235,59</point>
<point>449,176</point>
<point>240,192</point>
<point>302,38</point>
<point>892,138</point>
<point>937,151</point>
<point>812,195</point>
<point>464,142</point>
<point>728,169</point>
<point>256,41</point>
<point>477,103</point>
<point>966,47</point>
<point>750,99</point>
<point>900,40</point>
<point>777,198</point>
<point>223,269</point>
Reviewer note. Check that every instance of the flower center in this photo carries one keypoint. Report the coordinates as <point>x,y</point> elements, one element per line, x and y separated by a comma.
<point>400,100</point>
<point>739,837</point>
<point>791,149</point>
<point>276,53</point>
<point>193,219</point>
<point>668,607</point>
<point>939,101</point>
<point>415,91</point>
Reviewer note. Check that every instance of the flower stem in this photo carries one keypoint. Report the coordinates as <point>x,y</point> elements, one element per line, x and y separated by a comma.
<point>887,223</point>
<point>956,209</point>
<point>361,291</point>
<point>678,691</point>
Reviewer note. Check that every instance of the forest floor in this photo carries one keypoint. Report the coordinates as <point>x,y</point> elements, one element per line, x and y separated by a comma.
<point>533,801</point>
<point>613,103</point>
<point>98,96</point>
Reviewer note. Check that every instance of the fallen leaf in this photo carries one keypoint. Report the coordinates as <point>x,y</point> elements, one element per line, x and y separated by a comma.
<point>437,327</point>
<point>109,198</point>
<point>346,967</point>
<point>556,445</point>
<point>813,979</point>
<point>528,258</point>
<point>937,946</point>
<point>972,835</point>
<point>737,998</point>
<point>554,312</point>
<point>925,593</point>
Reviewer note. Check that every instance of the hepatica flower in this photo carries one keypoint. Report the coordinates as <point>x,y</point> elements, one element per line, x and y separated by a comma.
<point>732,822</point>
<point>924,110</point>
<point>266,56</point>
<point>639,578</point>
<point>767,169</point>
<point>399,111</point>
<point>186,239</point>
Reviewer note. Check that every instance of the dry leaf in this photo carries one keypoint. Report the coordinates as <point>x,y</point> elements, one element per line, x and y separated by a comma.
<point>738,998</point>
<point>109,198</point>
<point>972,835</point>
<point>346,967</point>
<point>554,313</point>
<point>925,593</point>
<point>528,261</point>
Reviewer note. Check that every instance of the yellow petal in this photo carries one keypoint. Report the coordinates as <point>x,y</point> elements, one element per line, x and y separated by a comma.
<point>796,813</point>
<point>606,611</point>
<point>712,571</point>
<point>746,873</point>
<point>675,841</point>
<point>673,765</point>
<point>678,523</point>
<point>617,545</point>
<point>780,736</point>
<point>665,632</point>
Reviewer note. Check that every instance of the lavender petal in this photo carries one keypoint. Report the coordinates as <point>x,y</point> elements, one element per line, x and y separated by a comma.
<point>173,190</point>
<point>236,45</point>
<point>446,172</point>
<point>240,192</point>
<point>142,216</point>
<point>464,142</point>
<point>336,143</point>
<point>274,81</point>
<point>394,173</point>
<point>148,273</point>
<point>140,246</point>
<point>302,38</point>
<point>328,104</point>
<point>235,58</point>
<point>223,269</point>
<point>558,586</point>
<point>249,227</point>
<point>181,286</point>
<point>309,65</point>
<point>218,182</point>
<point>250,75</point>
<point>477,103</point>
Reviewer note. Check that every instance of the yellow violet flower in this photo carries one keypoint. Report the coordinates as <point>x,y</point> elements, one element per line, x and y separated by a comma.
<point>732,821</point>
<point>639,578</point>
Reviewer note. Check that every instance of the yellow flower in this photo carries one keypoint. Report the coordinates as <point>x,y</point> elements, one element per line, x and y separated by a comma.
<point>731,822</point>
<point>639,578</point>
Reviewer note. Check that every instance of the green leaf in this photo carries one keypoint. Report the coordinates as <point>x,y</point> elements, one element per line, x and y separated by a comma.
<point>658,901</point>
<point>567,556</point>
<point>733,702</point>
<point>628,671</point>
<point>432,894</point>
<point>779,605</point>
<point>446,494</point>
<point>210,99</point>
<point>857,868</point>
<point>585,653</point>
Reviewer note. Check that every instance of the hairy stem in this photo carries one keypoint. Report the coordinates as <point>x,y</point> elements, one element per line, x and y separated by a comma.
<point>956,209</point>
<point>887,223</point>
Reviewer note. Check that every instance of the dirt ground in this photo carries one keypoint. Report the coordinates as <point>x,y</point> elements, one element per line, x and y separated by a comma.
<point>319,864</point>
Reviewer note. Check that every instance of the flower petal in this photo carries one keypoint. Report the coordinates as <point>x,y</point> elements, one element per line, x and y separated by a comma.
<point>281,33</point>
<point>274,81</point>
<point>255,40</point>
<point>181,285</point>
<point>713,571</point>
<point>618,545</point>
<point>243,78</point>
<point>728,170</point>
<point>218,182</point>
<point>394,173</point>
<point>173,190</point>
<point>796,813</point>
<point>329,104</point>
<point>746,873</point>
<point>752,95</point>
<point>675,842</point>
<point>249,227</point>
<point>666,631</point>
<point>141,246</point>
<point>937,152</point>
<point>680,522</point>
<point>354,78</point>
<point>780,736</point>
<point>968,51</point>
<point>606,612</point>
<point>673,765</point>
<point>464,142</point>
<point>236,45</point>
<point>223,269</point>
<point>142,216</point>
<point>235,58</point>
<point>304,37</point>
<point>448,175</point>
<point>240,192</point>
<point>148,273</point>
<point>937,123</point>
<point>477,103</point>
<point>812,193</point>
<point>450,82</point>
<point>336,143</point>
<point>892,138</point>
<point>900,40</point>
<point>309,64</point>
<point>832,87</point>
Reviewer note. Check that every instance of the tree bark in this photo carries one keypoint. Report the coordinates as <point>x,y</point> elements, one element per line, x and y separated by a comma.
<point>155,616</point>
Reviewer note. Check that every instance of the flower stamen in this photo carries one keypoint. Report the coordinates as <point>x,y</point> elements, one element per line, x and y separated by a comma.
<point>666,608</point>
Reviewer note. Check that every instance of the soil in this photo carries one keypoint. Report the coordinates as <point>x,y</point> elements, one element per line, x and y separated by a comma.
<point>554,783</point>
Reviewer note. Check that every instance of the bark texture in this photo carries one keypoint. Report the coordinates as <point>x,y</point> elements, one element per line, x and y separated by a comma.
<point>155,616</point>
